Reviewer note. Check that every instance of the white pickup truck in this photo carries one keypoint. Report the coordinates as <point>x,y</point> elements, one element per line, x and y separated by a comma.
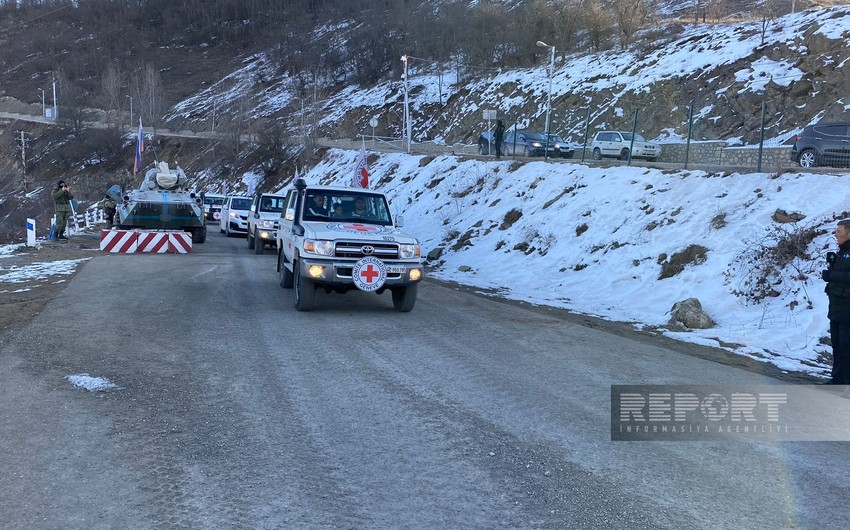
<point>339,239</point>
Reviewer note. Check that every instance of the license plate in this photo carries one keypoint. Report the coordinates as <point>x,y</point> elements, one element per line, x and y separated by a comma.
<point>395,270</point>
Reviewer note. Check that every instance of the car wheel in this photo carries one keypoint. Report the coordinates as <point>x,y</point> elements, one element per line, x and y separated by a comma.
<point>651,159</point>
<point>227,230</point>
<point>285,274</point>
<point>526,151</point>
<point>250,240</point>
<point>624,154</point>
<point>259,245</point>
<point>481,149</point>
<point>807,158</point>
<point>305,290</point>
<point>597,154</point>
<point>404,298</point>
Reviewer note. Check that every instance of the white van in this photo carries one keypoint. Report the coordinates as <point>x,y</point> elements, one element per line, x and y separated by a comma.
<point>234,214</point>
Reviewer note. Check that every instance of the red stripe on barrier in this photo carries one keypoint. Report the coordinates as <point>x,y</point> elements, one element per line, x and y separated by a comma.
<point>179,242</point>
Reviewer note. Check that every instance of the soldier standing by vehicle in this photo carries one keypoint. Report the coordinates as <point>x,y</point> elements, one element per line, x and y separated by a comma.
<point>498,137</point>
<point>109,207</point>
<point>62,197</point>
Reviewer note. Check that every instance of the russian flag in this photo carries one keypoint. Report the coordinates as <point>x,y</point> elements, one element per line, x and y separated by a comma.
<point>140,148</point>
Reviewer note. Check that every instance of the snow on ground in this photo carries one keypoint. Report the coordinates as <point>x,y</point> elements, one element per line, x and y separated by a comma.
<point>92,384</point>
<point>33,273</point>
<point>593,240</point>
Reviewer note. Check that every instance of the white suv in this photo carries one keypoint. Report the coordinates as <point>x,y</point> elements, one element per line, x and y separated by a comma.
<point>619,144</point>
<point>234,215</point>
<point>339,239</point>
<point>263,220</point>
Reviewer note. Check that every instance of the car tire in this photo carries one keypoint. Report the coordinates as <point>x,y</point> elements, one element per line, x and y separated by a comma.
<point>226,231</point>
<point>624,154</point>
<point>526,151</point>
<point>807,158</point>
<point>481,149</point>
<point>250,240</point>
<point>597,154</point>
<point>284,274</point>
<point>305,290</point>
<point>259,246</point>
<point>404,298</point>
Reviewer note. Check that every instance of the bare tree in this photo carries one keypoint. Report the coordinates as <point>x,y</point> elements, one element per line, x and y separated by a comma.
<point>147,87</point>
<point>597,21</point>
<point>630,16</point>
<point>111,84</point>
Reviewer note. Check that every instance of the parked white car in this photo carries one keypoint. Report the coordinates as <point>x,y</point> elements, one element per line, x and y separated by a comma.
<point>234,214</point>
<point>619,144</point>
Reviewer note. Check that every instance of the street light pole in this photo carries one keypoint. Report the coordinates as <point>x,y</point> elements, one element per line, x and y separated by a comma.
<point>549,96</point>
<point>407,127</point>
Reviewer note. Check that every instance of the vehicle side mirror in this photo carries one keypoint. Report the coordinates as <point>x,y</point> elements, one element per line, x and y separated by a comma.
<point>399,221</point>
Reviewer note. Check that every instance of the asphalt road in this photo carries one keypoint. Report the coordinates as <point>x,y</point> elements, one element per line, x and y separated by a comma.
<point>235,411</point>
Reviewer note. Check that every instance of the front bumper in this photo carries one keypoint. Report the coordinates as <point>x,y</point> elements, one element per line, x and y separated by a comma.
<point>338,272</point>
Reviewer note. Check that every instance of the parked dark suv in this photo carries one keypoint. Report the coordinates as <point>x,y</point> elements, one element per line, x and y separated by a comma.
<point>824,144</point>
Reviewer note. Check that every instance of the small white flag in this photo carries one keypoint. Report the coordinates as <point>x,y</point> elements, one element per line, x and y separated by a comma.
<point>361,174</point>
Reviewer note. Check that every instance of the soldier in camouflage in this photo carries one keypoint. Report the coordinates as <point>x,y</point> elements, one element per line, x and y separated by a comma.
<point>62,197</point>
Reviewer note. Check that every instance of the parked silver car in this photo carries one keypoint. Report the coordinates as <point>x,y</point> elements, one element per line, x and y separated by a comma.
<point>619,144</point>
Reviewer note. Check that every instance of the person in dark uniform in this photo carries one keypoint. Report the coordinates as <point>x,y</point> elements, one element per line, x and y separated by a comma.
<point>498,137</point>
<point>837,278</point>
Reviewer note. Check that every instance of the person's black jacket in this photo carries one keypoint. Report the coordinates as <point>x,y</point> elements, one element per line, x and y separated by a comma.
<point>500,132</point>
<point>838,285</point>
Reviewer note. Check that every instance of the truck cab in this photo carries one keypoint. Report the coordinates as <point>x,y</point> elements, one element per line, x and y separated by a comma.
<point>339,239</point>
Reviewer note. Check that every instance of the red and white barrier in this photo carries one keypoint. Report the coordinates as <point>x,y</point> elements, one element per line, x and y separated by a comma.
<point>179,242</point>
<point>145,241</point>
<point>118,241</point>
<point>153,242</point>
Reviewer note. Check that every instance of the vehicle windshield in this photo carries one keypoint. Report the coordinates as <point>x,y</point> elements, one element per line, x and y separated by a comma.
<point>535,136</point>
<point>554,138</point>
<point>271,204</point>
<point>213,200</point>
<point>240,204</point>
<point>628,136</point>
<point>346,206</point>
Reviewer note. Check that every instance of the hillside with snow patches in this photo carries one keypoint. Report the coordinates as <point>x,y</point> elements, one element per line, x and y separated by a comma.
<point>594,241</point>
<point>722,67</point>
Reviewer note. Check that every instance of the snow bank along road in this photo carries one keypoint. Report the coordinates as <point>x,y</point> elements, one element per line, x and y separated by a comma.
<point>232,410</point>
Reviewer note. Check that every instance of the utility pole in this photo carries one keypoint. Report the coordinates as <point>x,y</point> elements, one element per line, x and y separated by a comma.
<point>55,108</point>
<point>23,141</point>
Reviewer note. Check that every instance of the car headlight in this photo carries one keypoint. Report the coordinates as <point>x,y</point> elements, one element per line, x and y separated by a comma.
<point>536,144</point>
<point>557,146</point>
<point>265,224</point>
<point>233,214</point>
<point>409,251</point>
<point>321,247</point>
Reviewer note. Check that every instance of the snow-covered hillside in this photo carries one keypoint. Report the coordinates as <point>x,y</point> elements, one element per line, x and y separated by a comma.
<point>596,241</point>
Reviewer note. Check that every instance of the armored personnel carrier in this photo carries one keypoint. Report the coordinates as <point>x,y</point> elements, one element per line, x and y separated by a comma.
<point>161,202</point>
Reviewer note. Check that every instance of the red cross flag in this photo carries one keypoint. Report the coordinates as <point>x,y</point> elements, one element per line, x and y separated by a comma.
<point>361,174</point>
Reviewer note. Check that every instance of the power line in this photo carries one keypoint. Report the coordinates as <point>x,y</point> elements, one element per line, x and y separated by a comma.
<point>21,23</point>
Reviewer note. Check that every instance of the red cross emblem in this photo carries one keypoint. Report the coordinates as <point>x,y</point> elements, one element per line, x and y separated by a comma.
<point>369,273</point>
<point>360,227</point>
